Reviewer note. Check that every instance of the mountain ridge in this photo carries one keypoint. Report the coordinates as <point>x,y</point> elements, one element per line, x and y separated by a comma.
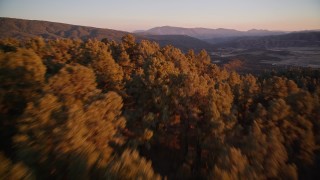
<point>187,39</point>
<point>207,33</point>
<point>22,28</point>
<point>181,41</point>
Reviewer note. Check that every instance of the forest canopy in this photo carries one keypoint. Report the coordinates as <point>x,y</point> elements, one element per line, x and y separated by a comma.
<point>73,109</point>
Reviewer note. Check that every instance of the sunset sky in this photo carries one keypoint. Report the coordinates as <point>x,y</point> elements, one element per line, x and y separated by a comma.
<point>132,15</point>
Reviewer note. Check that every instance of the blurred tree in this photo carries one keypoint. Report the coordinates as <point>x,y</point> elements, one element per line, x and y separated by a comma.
<point>69,140</point>
<point>22,75</point>
<point>11,171</point>
<point>131,166</point>
<point>73,81</point>
<point>233,165</point>
<point>9,44</point>
<point>278,87</point>
<point>109,74</point>
<point>21,68</point>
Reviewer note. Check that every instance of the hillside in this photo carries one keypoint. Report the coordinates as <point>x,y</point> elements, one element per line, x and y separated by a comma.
<point>206,33</point>
<point>19,28</point>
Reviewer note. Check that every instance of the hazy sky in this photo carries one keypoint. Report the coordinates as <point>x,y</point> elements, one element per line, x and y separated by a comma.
<point>144,14</point>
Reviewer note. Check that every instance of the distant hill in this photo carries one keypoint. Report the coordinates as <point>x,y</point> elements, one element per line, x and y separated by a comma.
<point>19,28</point>
<point>183,38</point>
<point>295,39</point>
<point>205,33</point>
<point>182,41</point>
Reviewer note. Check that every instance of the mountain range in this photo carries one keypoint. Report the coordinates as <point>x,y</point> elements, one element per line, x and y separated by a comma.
<point>205,33</point>
<point>21,29</point>
<point>183,38</point>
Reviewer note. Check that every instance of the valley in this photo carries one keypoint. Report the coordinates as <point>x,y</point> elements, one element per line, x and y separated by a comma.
<point>256,50</point>
<point>261,60</point>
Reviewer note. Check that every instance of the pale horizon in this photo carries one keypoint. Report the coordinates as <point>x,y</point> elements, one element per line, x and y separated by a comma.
<point>125,15</point>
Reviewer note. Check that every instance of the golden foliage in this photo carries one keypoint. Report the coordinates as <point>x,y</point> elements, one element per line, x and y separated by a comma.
<point>131,166</point>
<point>11,171</point>
<point>23,67</point>
<point>100,109</point>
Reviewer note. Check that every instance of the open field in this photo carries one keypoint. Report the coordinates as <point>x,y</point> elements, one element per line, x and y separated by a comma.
<point>254,60</point>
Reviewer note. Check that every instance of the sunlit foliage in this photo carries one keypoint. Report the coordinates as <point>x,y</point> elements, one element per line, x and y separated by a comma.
<point>73,109</point>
